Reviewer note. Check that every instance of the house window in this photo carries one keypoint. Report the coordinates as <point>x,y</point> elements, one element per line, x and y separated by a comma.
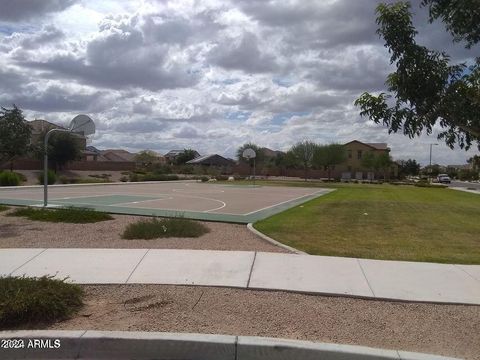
<point>349,154</point>
<point>359,154</point>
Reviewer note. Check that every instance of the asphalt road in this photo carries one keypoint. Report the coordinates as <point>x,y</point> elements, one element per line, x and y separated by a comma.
<point>465,184</point>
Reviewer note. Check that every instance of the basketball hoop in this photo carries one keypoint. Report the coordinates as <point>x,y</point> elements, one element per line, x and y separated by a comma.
<point>248,154</point>
<point>81,125</point>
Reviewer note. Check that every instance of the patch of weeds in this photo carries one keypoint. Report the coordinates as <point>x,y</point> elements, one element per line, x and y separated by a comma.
<point>28,301</point>
<point>65,215</point>
<point>3,208</point>
<point>164,228</point>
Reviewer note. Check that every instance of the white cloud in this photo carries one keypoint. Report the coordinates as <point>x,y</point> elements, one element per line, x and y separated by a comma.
<point>210,74</point>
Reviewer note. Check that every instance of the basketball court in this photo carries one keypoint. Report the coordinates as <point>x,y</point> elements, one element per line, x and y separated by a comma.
<point>190,199</point>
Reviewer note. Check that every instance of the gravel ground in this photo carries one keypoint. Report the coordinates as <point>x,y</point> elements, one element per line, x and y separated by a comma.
<point>17,232</point>
<point>449,330</point>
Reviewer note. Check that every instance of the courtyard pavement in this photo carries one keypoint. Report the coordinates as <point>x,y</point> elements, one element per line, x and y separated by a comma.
<point>378,279</point>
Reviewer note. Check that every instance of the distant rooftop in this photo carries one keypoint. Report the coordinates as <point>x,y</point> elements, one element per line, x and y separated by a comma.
<point>379,146</point>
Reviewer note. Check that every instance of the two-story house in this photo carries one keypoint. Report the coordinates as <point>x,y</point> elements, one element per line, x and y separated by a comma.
<point>354,168</point>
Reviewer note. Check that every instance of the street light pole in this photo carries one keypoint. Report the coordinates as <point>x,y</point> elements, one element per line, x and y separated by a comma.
<point>431,145</point>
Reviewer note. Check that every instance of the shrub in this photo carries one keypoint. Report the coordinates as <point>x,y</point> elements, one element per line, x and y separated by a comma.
<point>164,228</point>
<point>134,177</point>
<point>222,177</point>
<point>66,215</point>
<point>3,208</point>
<point>67,180</point>
<point>25,300</point>
<point>124,179</point>
<point>162,169</point>
<point>204,178</point>
<point>159,177</point>
<point>22,177</point>
<point>8,178</point>
<point>51,176</point>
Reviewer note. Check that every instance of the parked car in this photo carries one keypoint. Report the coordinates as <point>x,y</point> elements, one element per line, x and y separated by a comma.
<point>443,179</point>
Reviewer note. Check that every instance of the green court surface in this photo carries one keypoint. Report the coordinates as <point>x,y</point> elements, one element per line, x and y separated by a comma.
<point>210,202</point>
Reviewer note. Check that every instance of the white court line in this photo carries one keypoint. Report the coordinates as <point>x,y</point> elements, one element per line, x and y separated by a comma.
<point>142,201</point>
<point>284,202</point>
<point>82,197</point>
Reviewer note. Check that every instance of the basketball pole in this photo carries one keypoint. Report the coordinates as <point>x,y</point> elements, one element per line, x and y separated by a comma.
<point>254,172</point>
<point>45,164</point>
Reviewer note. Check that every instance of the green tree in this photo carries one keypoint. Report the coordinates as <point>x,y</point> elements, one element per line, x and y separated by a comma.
<point>328,156</point>
<point>62,148</point>
<point>383,162</point>
<point>186,155</point>
<point>474,161</point>
<point>409,167</point>
<point>431,170</point>
<point>146,158</point>
<point>368,160</point>
<point>426,89</point>
<point>15,134</point>
<point>302,153</point>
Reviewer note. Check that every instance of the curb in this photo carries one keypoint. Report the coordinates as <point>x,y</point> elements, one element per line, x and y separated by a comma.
<point>274,242</point>
<point>466,190</point>
<point>81,344</point>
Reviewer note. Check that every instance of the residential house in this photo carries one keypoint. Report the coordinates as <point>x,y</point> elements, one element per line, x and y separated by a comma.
<point>216,161</point>
<point>172,155</point>
<point>41,127</point>
<point>117,155</point>
<point>353,167</point>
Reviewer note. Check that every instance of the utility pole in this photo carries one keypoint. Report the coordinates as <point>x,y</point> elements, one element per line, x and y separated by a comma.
<point>430,168</point>
<point>431,145</point>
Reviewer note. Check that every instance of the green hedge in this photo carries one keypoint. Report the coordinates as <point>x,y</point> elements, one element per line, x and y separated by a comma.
<point>52,177</point>
<point>8,178</point>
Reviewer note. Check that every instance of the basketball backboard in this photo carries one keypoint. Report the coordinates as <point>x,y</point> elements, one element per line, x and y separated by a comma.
<point>82,124</point>
<point>249,153</point>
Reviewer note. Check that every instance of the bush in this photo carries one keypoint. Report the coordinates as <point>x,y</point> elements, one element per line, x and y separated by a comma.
<point>51,176</point>
<point>159,177</point>
<point>222,177</point>
<point>164,228</point>
<point>67,180</point>
<point>25,300</point>
<point>3,208</point>
<point>467,175</point>
<point>134,177</point>
<point>204,178</point>
<point>162,169</point>
<point>8,178</point>
<point>66,215</point>
<point>22,177</point>
<point>124,179</point>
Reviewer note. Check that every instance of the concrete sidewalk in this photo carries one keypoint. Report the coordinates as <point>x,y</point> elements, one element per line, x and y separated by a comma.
<point>398,280</point>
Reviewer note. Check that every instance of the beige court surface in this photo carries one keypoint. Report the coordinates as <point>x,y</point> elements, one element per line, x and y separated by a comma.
<point>190,199</point>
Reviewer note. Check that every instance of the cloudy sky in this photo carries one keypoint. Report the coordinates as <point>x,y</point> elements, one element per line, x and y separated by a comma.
<point>207,74</point>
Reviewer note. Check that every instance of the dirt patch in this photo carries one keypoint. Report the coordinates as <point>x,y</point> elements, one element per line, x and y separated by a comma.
<point>8,230</point>
<point>16,232</point>
<point>449,330</point>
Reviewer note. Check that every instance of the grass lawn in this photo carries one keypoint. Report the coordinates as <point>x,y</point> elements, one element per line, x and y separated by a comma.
<point>382,222</point>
